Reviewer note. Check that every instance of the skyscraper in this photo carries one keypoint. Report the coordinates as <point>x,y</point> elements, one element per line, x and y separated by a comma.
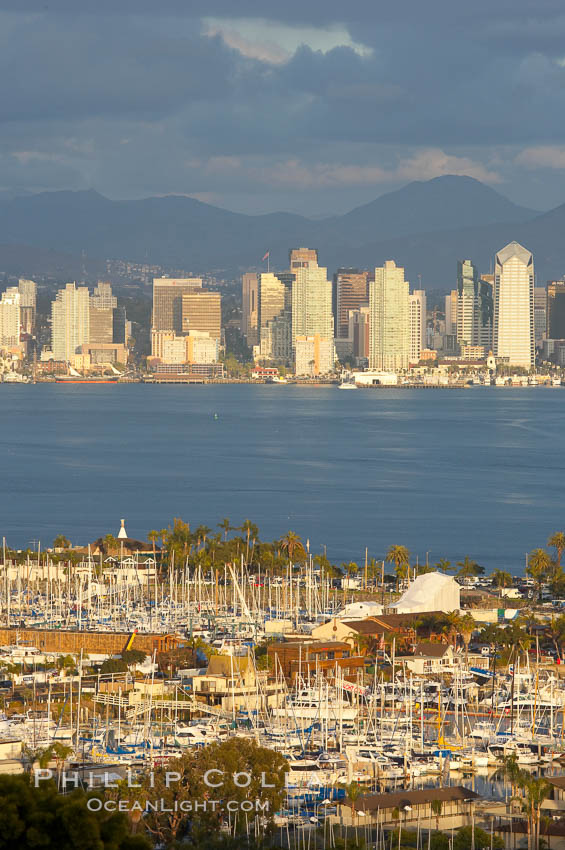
<point>70,321</point>
<point>10,318</point>
<point>300,257</point>
<point>167,301</point>
<point>555,318</point>
<point>418,328</point>
<point>28,298</point>
<point>311,302</point>
<point>389,346</point>
<point>451,313</point>
<point>250,308</point>
<point>474,307</point>
<point>540,315</point>
<point>350,292</point>
<point>202,311</point>
<point>514,306</point>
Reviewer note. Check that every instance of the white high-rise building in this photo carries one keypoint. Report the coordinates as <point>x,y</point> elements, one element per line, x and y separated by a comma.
<point>28,292</point>
<point>70,321</point>
<point>514,306</point>
<point>389,341</point>
<point>10,321</point>
<point>418,330</point>
<point>311,302</point>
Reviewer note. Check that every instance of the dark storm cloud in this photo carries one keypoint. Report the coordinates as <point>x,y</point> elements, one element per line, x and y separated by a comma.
<point>135,97</point>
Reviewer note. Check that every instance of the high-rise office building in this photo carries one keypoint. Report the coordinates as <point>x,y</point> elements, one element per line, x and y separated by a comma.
<point>274,315</point>
<point>202,311</point>
<point>350,291</point>
<point>103,297</point>
<point>474,307</point>
<point>311,302</point>
<point>301,257</point>
<point>389,346</point>
<point>359,332</point>
<point>250,308</point>
<point>555,318</point>
<point>70,321</point>
<point>167,301</point>
<point>10,317</point>
<point>28,299</point>
<point>540,315</point>
<point>418,327</point>
<point>514,306</point>
<point>451,313</point>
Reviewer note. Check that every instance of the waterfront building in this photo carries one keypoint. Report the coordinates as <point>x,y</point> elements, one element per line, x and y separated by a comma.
<point>555,309</point>
<point>167,301</point>
<point>514,306</point>
<point>314,356</point>
<point>70,321</point>
<point>202,311</point>
<point>101,321</point>
<point>250,308</point>
<point>311,302</point>
<point>195,347</point>
<point>10,317</point>
<point>274,316</point>
<point>417,312</point>
<point>350,291</point>
<point>389,344</point>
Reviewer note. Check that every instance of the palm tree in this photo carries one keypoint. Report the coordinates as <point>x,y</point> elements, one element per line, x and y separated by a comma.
<point>225,525</point>
<point>350,567</point>
<point>557,540</point>
<point>292,544</point>
<point>444,565</point>
<point>437,806</point>
<point>61,542</point>
<point>400,557</point>
<point>467,625</point>
<point>469,568</point>
<point>202,533</point>
<point>249,529</point>
<point>539,565</point>
<point>500,578</point>
<point>110,543</point>
<point>153,536</point>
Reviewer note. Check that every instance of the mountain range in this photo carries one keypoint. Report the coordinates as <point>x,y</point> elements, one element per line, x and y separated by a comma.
<point>425,226</point>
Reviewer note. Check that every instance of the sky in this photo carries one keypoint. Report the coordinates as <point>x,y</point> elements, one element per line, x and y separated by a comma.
<point>312,107</point>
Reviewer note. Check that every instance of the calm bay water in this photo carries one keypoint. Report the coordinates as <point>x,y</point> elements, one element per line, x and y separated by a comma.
<point>476,472</point>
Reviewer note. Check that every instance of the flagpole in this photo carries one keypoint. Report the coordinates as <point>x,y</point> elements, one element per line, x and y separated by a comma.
<point>268,262</point>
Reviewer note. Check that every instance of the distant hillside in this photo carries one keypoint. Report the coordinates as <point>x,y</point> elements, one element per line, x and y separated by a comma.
<point>426,226</point>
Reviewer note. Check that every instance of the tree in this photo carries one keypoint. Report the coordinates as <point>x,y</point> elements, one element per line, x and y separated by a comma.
<point>500,578</point>
<point>292,544</point>
<point>469,568</point>
<point>61,542</point>
<point>556,631</point>
<point>202,533</point>
<point>41,817</point>
<point>225,526</point>
<point>436,807</point>
<point>400,557</point>
<point>250,530</point>
<point>473,838</point>
<point>444,565</point>
<point>110,543</point>
<point>557,541</point>
<point>467,625</point>
<point>539,565</point>
<point>534,791</point>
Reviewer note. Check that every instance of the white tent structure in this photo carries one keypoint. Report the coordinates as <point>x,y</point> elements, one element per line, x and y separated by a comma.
<point>430,592</point>
<point>360,610</point>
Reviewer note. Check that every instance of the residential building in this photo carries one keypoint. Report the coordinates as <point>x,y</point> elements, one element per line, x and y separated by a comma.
<point>250,308</point>
<point>389,345</point>
<point>350,291</point>
<point>202,311</point>
<point>314,356</point>
<point>167,301</point>
<point>274,316</point>
<point>311,302</point>
<point>417,312</point>
<point>10,317</point>
<point>474,307</point>
<point>555,315</point>
<point>70,321</point>
<point>514,306</point>
<point>196,347</point>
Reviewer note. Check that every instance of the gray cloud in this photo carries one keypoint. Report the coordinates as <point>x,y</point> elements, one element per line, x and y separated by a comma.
<point>136,99</point>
